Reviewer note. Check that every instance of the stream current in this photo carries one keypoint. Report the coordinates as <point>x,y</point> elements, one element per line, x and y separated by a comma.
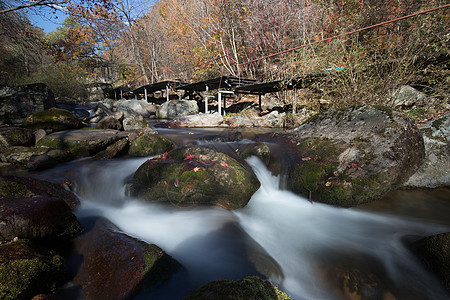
<point>296,244</point>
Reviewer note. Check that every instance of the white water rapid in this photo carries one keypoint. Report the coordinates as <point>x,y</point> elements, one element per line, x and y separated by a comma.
<point>302,237</point>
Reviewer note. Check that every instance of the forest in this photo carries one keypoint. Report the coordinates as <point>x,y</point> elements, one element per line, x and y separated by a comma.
<point>136,42</point>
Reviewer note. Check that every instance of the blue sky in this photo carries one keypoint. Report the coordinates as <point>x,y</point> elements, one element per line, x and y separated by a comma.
<point>46,18</point>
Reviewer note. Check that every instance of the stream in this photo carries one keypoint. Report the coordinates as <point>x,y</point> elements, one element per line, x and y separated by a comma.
<point>296,244</point>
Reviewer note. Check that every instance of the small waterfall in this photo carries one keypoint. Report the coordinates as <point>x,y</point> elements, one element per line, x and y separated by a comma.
<point>302,237</point>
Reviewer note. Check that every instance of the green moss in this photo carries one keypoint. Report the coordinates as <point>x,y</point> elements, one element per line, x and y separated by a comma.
<point>251,287</point>
<point>25,273</point>
<point>13,190</point>
<point>150,145</point>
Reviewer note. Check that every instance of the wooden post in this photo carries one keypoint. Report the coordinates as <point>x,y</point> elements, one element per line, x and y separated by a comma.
<point>121,94</point>
<point>260,97</point>
<point>145,94</point>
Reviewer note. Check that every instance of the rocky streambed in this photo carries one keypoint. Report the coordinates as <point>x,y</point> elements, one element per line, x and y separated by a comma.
<point>342,158</point>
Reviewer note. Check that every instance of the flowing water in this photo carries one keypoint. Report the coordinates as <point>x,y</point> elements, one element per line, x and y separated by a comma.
<point>280,235</point>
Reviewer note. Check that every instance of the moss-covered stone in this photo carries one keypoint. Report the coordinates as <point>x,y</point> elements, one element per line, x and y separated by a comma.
<point>15,136</point>
<point>195,175</point>
<point>53,119</point>
<point>81,142</point>
<point>251,287</point>
<point>351,156</point>
<point>11,189</point>
<point>150,144</point>
<point>260,150</point>
<point>26,271</point>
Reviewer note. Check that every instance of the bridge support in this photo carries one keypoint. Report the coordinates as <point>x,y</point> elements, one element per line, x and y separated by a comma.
<point>219,99</point>
<point>167,93</point>
<point>145,94</point>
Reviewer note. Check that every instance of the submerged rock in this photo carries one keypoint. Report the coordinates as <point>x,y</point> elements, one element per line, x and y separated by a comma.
<point>251,287</point>
<point>117,266</point>
<point>196,175</point>
<point>434,172</point>
<point>53,119</point>
<point>352,156</point>
<point>26,270</point>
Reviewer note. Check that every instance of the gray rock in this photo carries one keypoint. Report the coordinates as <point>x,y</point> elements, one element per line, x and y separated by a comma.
<point>135,107</point>
<point>51,120</point>
<point>173,108</point>
<point>407,96</point>
<point>199,120</point>
<point>435,171</point>
<point>82,142</point>
<point>137,123</point>
<point>17,103</point>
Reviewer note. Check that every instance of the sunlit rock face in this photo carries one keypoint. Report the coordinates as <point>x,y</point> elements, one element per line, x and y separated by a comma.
<point>434,172</point>
<point>352,156</point>
<point>195,175</point>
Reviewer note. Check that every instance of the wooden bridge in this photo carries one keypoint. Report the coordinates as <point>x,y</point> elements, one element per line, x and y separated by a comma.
<point>227,86</point>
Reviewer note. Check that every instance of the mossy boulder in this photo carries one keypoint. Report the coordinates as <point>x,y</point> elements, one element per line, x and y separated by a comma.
<point>15,136</point>
<point>150,144</point>
<point>82,142</point>
<point>251,287</point>
<point>26,271</point>
<point>117,266</point>
<point>36,187</point>
<point>352,156</point>
<point>195,175</point>
<point>434,252</point>
<point>36,218</point>
<point>53,119</point>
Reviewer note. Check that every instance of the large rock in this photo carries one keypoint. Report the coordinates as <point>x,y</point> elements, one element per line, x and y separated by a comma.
<point>15,136</point>
<point>434,172</point>
<point>150,144</point>
<point>352,156</point>
<point>135,107</point>
<point>137,123</point>
<point>434,252</point>
<point>198,120</point>
<point>117,266</point>
<point>110,122</point>
<point>173,108</point>
<point>26,270</point>
<point>196,175</point>
<point>17,103</point>
<point>53,119</point>
<point>36,218</point>
<point>32,187</point>
<point>251,287</point>
<point>83,142</point>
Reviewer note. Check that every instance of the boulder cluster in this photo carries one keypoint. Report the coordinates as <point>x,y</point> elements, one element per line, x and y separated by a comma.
<point>342,157</point>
